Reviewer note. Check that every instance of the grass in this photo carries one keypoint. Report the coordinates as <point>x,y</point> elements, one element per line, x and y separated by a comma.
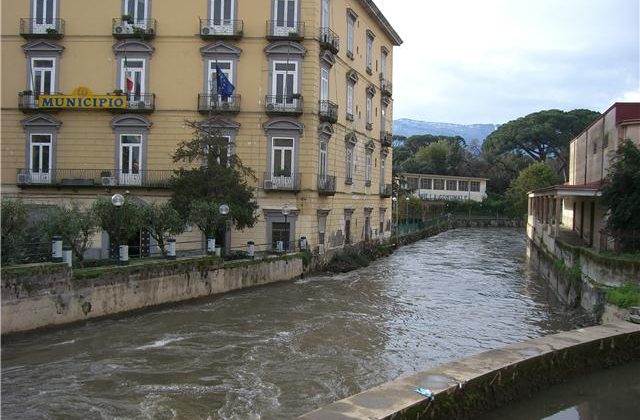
<point>625,296</point>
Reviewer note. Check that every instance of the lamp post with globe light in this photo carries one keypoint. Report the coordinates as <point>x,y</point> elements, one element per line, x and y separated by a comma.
<point>285,212</point>
<point>118,200</point>
<point>224,212</point>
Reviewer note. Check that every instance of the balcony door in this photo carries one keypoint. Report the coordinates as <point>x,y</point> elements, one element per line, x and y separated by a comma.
<point>133,81</point>
<point>325,16</point>
<point>43,75</point>
<point>130,157</point>
<point>40,162</point>
<point>286,16</point>
<point>137,10</point>
<point>324,89</point>
<point>44,13</point>
<point>323,161</point>
<point>282,163</point>
<point>222,16</point>
<point>285,80</point>
<point>212,81</point>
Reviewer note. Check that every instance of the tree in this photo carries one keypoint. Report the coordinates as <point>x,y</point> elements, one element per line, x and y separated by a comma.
<point>14,220</point>
<point>75,226</point>
<point>120,223</point>
<point>532,178</point>
<point>163,221</point>
<point>541,135</point>
<point>621,191</point>
<point>219,176</point>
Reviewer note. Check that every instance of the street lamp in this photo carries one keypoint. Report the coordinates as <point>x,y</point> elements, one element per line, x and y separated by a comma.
<point>224,211</point>
<point>285,212</point>
<point>406,216</point>
<point>118,200</point>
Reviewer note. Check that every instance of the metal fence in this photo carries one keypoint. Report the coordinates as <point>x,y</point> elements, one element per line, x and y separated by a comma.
<point>620,241</point>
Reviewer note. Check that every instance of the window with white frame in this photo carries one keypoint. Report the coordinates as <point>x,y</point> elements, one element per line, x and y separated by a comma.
<point>130,159</point>
<point>349,164</point>
<point>285,82</point>
<point>282,157</point>
<point>425,183</point>
<point>223,157</point>
<point>132,79</point>
<point>438,184</point>
<point>226,67</point>
<point>44,15</point>
<point>452,185</point>
<point>463,185</point>
<point>43,76</point>
<point>324,84</point>
<point>351,27</point>
<point>137,10</point>
<point>40,158</point>
<point>350,88</point>
<point>367,166</point>
<point>369,112</point>
<point>324,152</point>
<point>383,64</point>
<point>383,163</point>
<point>286,16</point>
<point>475,186</point>
<point>369,55</point>
<point>221,14</point>
<point>325,15</point>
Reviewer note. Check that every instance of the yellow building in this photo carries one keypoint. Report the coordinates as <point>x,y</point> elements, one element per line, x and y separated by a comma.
<point>95,95</point>
<point>574,206</point>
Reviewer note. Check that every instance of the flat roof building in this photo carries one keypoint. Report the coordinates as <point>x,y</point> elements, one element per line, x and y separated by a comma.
<point>445,188</point>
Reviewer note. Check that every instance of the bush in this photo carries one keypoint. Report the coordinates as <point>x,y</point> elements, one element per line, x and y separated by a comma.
<point>625,296</point>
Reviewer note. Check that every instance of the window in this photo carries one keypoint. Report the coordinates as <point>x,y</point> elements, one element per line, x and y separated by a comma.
<point>383,164</point>
<point>412,183</point>
<point>224,157</point>
<point>282,161</point>
<point>383,118</point>
<point>381,229</point>
<point>137,10</point>
<point>286,16</point>
<point>349,165</point>
<point>132,80</point>
<point>452,185</point>
<point>212,80</point>
<point>383,64</point>
<point>280,232</point>
<point>322,225</point>
<point>43,77</point>
<point>324,84</point>
<point>323,160</point>
<point>475,186</point>
<point>595,146</point>
<point>369,112</point>
<point>40,159</point>
<point>351,25</point>
<point>367,166</point>
<point>44,13</point>
<point>350,87</point>
<point>463,185</point>
<point>369,52</point>
<point>130,159</point>
<point>438,184</point>
<point>347,225</point>
<point>425,183</point>
<point>221,15</point>
<point>325,15</point>
<point>285,82</point>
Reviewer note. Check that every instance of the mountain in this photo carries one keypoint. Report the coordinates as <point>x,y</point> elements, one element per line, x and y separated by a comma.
<point>406,127</point>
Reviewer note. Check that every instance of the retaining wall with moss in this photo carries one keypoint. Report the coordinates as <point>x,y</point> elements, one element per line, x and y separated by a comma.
<point>51,294</point>
<point>469,387</point>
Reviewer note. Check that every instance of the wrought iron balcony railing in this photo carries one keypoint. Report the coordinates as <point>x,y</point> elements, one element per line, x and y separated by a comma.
<point>329,40</point>
<point>386,138</point>
<point>218,103</point>
<point>41,28</point>
<point>283,104</point>
<point>279,29</point>
<point>326,184</point>
<point>145,103</point>
<point>386,190</point>
<point>103,178</point>
<point>282,182</point>
<point>128,27</point>
<point>221,28</point>
<point>328,112</point>
<point>28,101</point>
<point>386,87</point>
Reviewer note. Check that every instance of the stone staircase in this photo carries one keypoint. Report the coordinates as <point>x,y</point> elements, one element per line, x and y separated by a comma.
<point>634,314</point>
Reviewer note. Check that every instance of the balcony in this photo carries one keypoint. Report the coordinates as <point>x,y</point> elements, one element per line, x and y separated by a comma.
<point>28,102</point>
<point>326,185</point>
<point>283,104</point>
<point>386,87</point>
<point>126,27</point>
<point>328,112</point>
<point>386,190</point>
<point>221,29</point>
<point>102,178</point>
<point>386,138</point>
<point>329,40</point>
<point>279,30</point>
<point>289,182</point>
<point>216,104</point>
<point>139,103</point>
<point>42,28</point>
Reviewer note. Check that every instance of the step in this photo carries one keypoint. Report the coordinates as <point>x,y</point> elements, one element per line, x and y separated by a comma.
<point>634,318</point>
<point>634,310</point>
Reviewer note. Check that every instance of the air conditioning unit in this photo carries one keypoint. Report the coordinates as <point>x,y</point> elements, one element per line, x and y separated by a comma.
<point>270,107</point>
<point>269,184</point>
<point>226,105</point>
<point>24,178</point>
<point>108,181</point>
<point>206,30</point>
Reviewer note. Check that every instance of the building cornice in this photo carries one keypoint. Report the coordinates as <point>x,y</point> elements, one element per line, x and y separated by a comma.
<point>373,10</point>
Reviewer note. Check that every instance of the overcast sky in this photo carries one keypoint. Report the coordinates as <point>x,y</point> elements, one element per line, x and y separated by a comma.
<point>491,61</point>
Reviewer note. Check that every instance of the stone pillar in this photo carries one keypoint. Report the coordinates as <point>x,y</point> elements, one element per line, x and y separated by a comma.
<point>171,249</point>
<point>556,231</point>
<point>56,249</point>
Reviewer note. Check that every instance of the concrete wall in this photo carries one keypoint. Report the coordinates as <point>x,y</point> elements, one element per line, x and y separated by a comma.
<point>467,387</point>
<point>48,295</point>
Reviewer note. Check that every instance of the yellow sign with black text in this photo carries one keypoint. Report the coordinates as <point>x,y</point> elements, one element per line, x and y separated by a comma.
<point>82,98</point>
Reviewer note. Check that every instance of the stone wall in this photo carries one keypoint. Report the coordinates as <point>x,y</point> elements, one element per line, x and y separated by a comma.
<point>468,387</point>
<point>47,295</point>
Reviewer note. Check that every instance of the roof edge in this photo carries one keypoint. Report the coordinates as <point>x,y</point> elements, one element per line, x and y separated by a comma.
<point>386,26</point>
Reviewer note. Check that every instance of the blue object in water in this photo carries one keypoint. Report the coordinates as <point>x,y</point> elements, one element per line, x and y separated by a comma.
<point>425,392</point>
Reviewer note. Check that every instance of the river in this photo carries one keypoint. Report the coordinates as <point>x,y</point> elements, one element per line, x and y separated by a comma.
<point>279,351</point>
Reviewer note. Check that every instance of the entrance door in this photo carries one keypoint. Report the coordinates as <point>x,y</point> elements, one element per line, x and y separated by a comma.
<point>44,12</point>
<point>286,14</point>
<point>130,157</point>
<point>40,162</point>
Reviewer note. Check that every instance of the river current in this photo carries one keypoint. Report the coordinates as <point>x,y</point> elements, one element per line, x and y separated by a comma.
<point>279,351</point>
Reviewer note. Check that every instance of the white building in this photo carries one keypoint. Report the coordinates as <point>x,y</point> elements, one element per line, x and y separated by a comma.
<point>446,188</point>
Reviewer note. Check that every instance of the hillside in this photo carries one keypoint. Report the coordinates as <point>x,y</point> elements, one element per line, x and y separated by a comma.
<point>406,127</point>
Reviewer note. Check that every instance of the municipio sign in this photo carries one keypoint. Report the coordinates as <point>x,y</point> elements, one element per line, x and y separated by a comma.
<point>82,98</point>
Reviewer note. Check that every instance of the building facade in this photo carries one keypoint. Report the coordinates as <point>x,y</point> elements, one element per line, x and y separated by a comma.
<point>574,206</point>
<point>95,96</point>
<point>446,188</point>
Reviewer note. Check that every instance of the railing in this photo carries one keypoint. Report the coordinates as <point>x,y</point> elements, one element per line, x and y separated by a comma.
<point>140,102</point>
<point>221,28</point>
<point>42,28</point>
<point>28,101</point>
<point>279,29</point>
<point>287,182</point>
<point>283,104</point>
<point>619,241</point>
<point>386,190</point>
<point>329,40</point>
<point>218,103</point>
<point>386,87</point>
<point>328,112</point>
<point>94,178</point>
<point>326,184</point>
<point>133,28</point>
<point>386,138</point>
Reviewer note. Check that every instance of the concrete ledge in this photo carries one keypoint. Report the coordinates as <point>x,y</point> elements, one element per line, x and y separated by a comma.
<point>467,387</point>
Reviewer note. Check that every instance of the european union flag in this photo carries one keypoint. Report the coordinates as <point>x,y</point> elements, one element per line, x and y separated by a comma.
<point>225,88</point>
